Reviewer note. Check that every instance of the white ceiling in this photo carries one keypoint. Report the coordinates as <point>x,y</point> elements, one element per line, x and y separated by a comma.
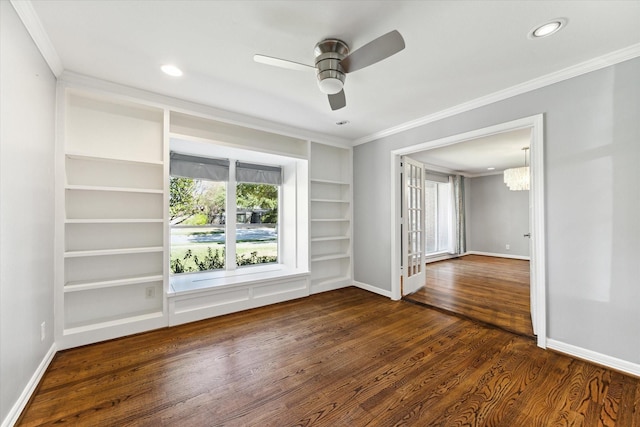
<point>456,51</point>
<point>474,157</point>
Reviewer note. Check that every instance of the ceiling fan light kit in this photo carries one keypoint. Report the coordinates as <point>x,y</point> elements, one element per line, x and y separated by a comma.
<point>334,61</point>
<point>329,54</point>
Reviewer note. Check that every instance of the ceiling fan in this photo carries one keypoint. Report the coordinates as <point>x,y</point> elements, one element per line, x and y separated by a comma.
<point>333,62</point>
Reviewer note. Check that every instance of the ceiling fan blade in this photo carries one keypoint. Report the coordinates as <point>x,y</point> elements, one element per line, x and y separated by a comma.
<point>282,63</point>
<point>374,51</point>
<point>338,100</point>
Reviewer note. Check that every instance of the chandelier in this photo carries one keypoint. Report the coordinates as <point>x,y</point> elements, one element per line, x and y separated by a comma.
<point>517,179</point>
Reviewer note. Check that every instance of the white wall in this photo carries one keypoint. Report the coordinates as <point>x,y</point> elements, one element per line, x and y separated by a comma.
<point>27,106</point>
<point>497,217</point>
<point>592,199</point>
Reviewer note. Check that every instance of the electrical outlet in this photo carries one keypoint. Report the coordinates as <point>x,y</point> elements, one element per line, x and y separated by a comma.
<point>43,331</point>
<point>150,292</point>
<point>507,246</point>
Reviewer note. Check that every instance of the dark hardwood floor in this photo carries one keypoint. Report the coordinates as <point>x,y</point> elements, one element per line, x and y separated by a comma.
<point>490,289</point>
<point>340,358</point>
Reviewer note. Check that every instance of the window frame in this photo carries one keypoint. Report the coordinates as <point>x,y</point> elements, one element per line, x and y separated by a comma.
<point>231,211</point>
<point>293,217</point>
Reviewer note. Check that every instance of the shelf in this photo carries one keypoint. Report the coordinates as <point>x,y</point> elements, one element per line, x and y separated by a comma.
<point>329,238</point>
<point>114,221</point>
<point>330,220</point>
<point>88,285</point>
<point>81,156</point>
<point>329,201</point>
<point>328,181</point>
<point>113,189</point>
<point>112,322</point>
<point>102,252</point>
<point>329,257</point>
<point>328,281</point>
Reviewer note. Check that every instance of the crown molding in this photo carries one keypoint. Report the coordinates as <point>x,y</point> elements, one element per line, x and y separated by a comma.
<point>598,63</point>
<point>31,21</point>
<point>483,174</point>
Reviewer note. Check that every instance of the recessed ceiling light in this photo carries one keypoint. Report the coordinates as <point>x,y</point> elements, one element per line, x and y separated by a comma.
<point>171,70</point>
<point>342,122</point>
<point>491,169</point>
<point>548,28</point>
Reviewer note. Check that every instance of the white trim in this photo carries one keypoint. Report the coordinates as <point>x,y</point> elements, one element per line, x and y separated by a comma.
<point>512,125</point>
<point>373,289</point>
<point>32,23</point>
<point>441,257</point>
<point>21,403</point>
<point>59,214</point>
<point>212,302</point>
<point>199,282</point>
<point>594,64</point>
<point>595,357</point>
<point>480,175</point>
<point>538,239</point>
<point>396,227</point>
<point>103,331</point>
<point>330,285</point>
<point>127,93</point>
<point>525,258</point>
<point>538,262</point>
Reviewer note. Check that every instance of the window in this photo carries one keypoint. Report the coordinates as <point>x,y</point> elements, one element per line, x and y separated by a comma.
<point>212,199</point>
<point>438,217</point>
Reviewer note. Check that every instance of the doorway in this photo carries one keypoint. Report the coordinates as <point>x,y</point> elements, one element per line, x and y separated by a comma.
<point>536,196</point>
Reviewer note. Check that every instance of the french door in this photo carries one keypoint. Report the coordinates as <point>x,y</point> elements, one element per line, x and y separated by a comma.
<point>413,244</point>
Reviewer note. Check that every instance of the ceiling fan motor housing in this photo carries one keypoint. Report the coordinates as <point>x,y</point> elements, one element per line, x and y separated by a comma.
<point>330,73</point>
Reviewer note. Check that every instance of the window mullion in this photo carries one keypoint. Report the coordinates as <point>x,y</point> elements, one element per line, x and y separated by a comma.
<point>230,226</point>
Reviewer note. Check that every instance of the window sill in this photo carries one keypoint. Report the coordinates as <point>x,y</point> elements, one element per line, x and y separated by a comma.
<point>198,282</point>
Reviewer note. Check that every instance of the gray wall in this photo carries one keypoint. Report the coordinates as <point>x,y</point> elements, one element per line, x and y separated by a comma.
<point>27,106</point>
<point>592,152</point>
<point>497,216</point>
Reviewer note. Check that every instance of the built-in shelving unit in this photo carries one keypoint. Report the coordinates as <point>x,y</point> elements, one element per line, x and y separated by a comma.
<point>112,218</point>
<point>330,229</point>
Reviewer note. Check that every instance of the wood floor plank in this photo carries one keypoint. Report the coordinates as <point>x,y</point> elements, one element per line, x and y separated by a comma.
<point>489,289</point>
<point>341,358</point>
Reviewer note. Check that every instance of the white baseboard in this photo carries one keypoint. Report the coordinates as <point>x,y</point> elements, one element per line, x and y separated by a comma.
<point>595,357</point>
<point>21,403</point>
<point>443,257</point>
<point>330,286</point>
<point>526,258</point>
<point>373,289</point>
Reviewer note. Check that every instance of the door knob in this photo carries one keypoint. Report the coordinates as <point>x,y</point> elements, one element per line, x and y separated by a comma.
<point>527,235</point>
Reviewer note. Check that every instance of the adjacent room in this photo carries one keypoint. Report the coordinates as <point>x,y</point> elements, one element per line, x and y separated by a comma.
<point>267,213</point>
<point>480,267</point>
